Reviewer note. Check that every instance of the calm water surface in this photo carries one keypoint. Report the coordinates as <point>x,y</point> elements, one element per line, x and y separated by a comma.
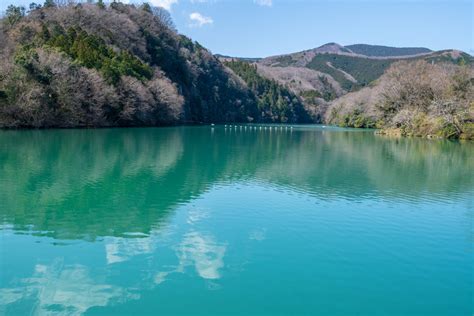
<point>194,220</point>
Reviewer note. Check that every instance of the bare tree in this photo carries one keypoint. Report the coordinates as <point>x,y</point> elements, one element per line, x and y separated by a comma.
<point>164,16</point>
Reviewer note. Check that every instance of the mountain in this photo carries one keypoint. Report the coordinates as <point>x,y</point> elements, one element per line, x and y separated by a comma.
<point>414,91</point>
<point>352,66</point>
<point>117,65</point>
<point>97,65</point>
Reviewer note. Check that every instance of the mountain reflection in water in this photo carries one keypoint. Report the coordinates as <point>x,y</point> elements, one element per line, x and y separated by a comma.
<point>122,220</point>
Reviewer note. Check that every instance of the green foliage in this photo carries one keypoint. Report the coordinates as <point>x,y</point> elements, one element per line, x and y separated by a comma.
<point>311,94</point>
<point>364,70</point>
<point>100,4</point>
<point>356,119</point>
<point>49,4</point>
<point>468,131</point>
<point>274,100</point>
<point>91,51</point>
<point>146,7</point>
<point>14,14</point>
<point>34,6</point>
<point>163,52</point>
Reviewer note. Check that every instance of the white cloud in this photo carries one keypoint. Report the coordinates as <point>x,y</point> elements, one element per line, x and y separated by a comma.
<point>163,3</point>
<point>264,3</point>
<point>198,20</point>
<point>119,249</point>
<point>70,287</point>
<point>204,252</point>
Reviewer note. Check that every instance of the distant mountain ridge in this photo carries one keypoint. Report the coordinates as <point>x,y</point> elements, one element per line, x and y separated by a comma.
<point>325,75</point>
<point>351,67</point>
<point>386,51</point>
<point>356,50</point>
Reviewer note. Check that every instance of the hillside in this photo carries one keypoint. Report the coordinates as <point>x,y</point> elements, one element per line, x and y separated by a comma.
<point>412,98</point>
<point>118,65</point>
<point>419,92</point>
<point>356,66</point>
<point>274,101</point>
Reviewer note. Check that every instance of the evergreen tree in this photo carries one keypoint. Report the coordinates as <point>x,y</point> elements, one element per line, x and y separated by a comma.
<point>14,14</point>
<point>49,3</point>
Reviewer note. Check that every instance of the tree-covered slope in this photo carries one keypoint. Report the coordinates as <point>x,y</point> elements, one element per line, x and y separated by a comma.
<point>275,102</point>
<point>363,70</point>
<point>416,98</point>
<point>356,66</point>
<point>118,65</point>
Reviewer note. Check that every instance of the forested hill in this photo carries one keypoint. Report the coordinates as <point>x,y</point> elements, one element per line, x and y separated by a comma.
<point>118,65</point>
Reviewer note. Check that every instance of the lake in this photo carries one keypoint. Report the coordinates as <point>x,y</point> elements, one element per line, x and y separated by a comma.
<point>309,220</point>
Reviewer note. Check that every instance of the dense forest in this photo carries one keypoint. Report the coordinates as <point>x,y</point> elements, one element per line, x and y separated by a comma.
<point>274,100</point>
<point>363,70</point>
<point>97,65</point>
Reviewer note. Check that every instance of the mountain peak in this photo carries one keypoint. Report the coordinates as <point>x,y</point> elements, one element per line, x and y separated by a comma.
<point>332,47</point>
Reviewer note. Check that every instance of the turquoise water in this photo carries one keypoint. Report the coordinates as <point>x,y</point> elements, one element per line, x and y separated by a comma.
<point>240,221</point>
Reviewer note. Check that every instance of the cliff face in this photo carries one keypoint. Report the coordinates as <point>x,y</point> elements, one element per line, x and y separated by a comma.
<point>91,65</point>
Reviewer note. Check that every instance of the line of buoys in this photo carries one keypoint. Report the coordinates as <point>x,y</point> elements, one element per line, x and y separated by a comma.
<point>245,127</point>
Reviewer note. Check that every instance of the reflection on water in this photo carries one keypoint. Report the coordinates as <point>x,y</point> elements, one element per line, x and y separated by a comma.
<point>62,288</point>
<point>131,217</point>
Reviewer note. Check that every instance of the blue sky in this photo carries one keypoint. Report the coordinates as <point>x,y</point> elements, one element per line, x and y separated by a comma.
<point>256,28</point>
